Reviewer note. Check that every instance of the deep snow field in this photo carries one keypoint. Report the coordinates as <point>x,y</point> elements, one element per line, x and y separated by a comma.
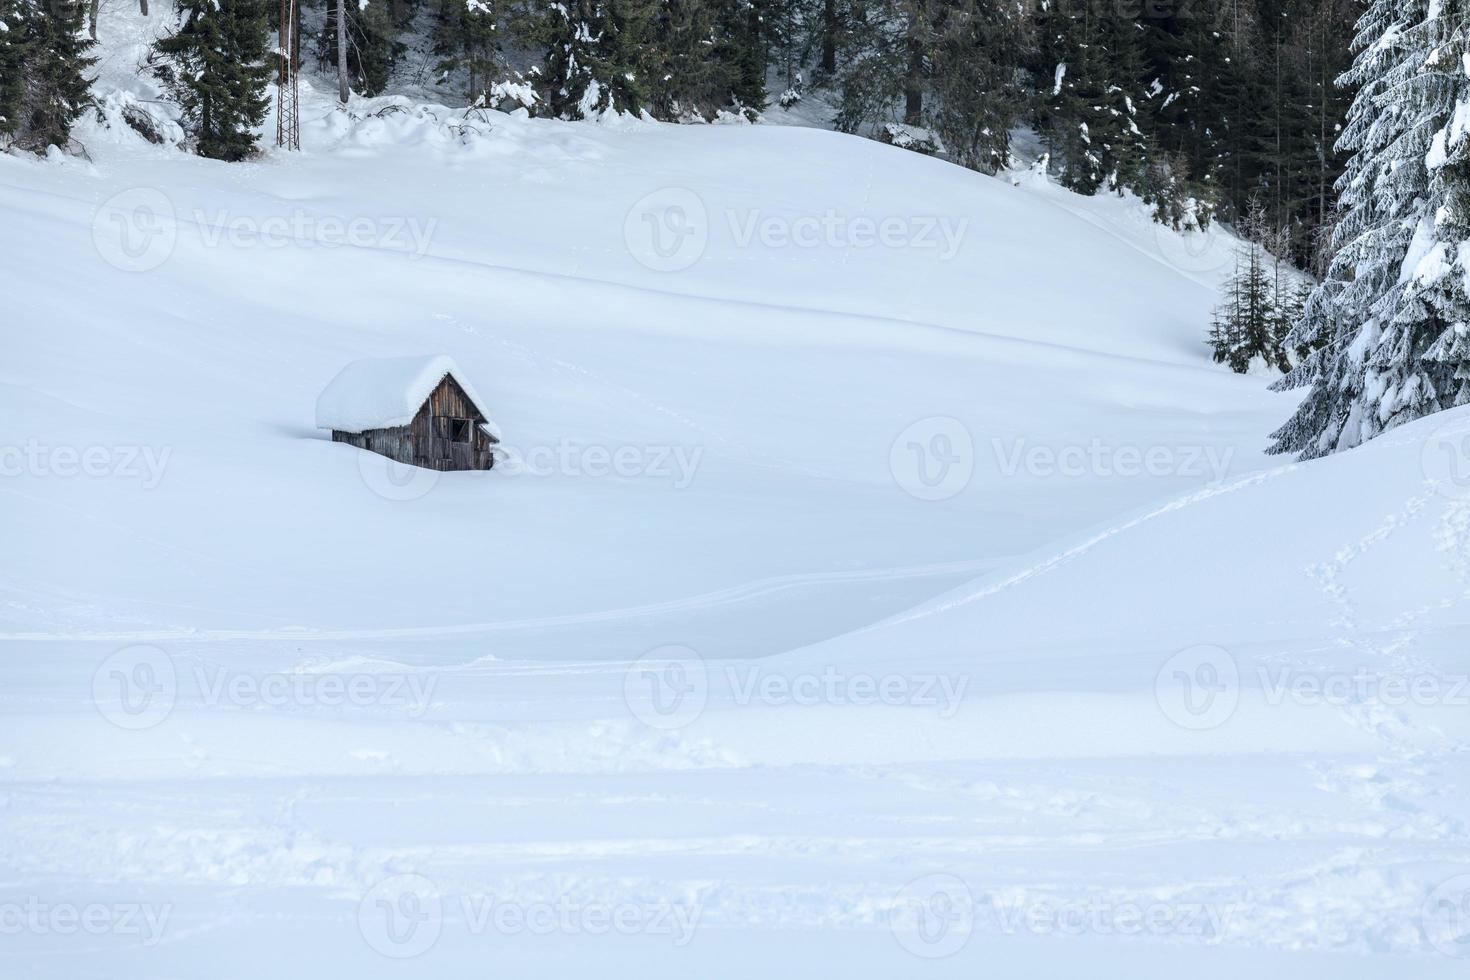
<point>881,580</point>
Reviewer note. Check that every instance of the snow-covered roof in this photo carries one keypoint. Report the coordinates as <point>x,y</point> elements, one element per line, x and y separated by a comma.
<point>384,392</point>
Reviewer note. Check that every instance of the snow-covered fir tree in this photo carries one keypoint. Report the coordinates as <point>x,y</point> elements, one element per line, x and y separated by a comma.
<point>690,76</point>
<point>1375,318</point>
<point>13,16</point>
<point>688,81</point>
<point>373,45</point>
<point>740,46</point>
<point>45,57</point>
<point>684,60</point>
<point>973,99</point>
<point>1434,316</point>
<point>790,27</point>
<point>1442,276</point>
<point>947,66</point>
<point>1182,64</point>
<point>1303,56</point>
<point>1090,122</point>
<point>467,38</point>
<point>1248,325</point>
<point>597,55</point>
<point>216,66</point>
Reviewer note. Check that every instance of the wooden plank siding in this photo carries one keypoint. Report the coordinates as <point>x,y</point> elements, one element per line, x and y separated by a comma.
<point>445,434</point>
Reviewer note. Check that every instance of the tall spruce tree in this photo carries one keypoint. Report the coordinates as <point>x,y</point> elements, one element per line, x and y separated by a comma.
<point>216,66</point>
<point>975,89</point>
<point>1180,67</point>
<point>1182,178</point>
<point>1442,278</point>
<point>1248,324</point>
<point>1090,120</point>
<point>13,16</point>
<point>1369,371</point>
<point>788,30</point>
<point>1322,50</point>
<point>876,64</point>
<point>687,81</point>
<point>740,46</point>
<point>1419,365</point>
<point>467,38</point>
<point>597,57</point>
<point>53,60</point>
<point>950,66</point>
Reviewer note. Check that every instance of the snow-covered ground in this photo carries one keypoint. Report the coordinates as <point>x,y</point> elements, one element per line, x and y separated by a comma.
<point>880,581</point>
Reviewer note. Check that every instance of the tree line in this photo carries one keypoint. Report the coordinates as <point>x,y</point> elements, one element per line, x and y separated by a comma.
<point>1197,106</point>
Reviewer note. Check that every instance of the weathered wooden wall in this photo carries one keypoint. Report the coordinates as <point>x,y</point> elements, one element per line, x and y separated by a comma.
<point>428,440</point>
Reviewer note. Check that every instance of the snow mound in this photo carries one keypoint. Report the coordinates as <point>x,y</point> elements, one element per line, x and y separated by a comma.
<point>383,392</point>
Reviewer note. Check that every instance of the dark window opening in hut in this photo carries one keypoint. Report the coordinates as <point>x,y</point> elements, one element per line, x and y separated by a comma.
<point>459,430</point>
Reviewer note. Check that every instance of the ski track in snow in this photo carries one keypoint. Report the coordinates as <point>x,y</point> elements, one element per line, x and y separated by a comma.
<point>1071,554</point>
<point>734,595</point>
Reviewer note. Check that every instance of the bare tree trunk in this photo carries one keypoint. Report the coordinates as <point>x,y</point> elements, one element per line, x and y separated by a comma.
<point>1323,149</point>
<point>92,19</point>
<point>913,85</point>
<point>143,7</point>
<point>829,36</point>
<point>342,91</point>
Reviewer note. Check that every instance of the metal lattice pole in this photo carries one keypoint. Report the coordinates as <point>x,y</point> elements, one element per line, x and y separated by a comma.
<point>288,119</point>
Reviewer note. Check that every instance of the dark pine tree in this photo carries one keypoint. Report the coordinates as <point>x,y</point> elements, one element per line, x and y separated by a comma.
<point>1092,58</point>
<point>1248,324</point>
<point>687,80</point>
<point>14,14</point>
<point>1180,63</point>
<point>951,67</point>
<point>373,47</point>
<point>217,66</point>
<point>467,38</point>
<point>54,62</point>
<point>975,90</point>
<point>741,47</point>
<point>597,57</point>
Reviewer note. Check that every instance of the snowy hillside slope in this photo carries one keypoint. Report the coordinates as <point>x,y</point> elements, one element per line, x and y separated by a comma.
<point>768,375</point>
<point>850,601</point>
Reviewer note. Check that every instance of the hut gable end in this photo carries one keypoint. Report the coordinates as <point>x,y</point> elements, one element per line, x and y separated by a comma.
<point>449,400</point>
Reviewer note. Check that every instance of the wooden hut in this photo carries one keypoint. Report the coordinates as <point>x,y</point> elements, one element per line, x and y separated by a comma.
<point>416,410</point>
